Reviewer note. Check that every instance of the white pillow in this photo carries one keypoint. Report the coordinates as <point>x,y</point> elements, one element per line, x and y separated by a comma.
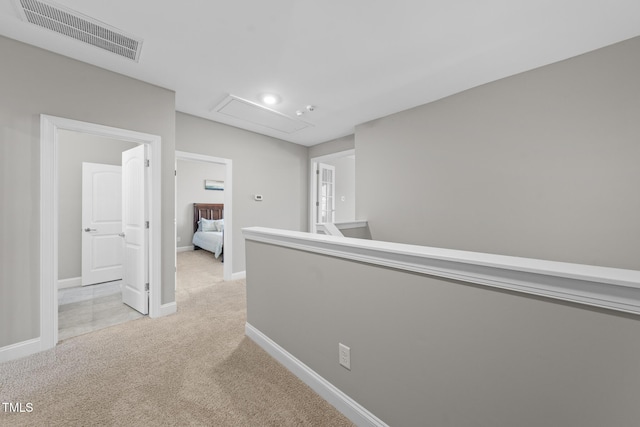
<point>207,225</point>
<point>219,224</point>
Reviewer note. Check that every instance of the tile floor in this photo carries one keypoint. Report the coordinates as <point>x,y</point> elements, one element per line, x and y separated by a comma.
<point>89,308</point>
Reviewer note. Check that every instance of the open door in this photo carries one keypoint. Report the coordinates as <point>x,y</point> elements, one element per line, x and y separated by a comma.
<point>101,223</point>
<point>326,203</point>
<point>135,230</point>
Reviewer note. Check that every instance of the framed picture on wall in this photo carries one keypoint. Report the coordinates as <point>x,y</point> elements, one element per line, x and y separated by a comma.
<point>210,184</point>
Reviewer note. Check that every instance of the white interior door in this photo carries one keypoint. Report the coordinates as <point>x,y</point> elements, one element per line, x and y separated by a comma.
<point>101,223</point>
<point>135,288</point>
<point>326,202</point>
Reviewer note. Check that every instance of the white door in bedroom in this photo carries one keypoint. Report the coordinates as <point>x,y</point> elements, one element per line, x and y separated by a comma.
<point>102,223</point>
<point>135,230</point>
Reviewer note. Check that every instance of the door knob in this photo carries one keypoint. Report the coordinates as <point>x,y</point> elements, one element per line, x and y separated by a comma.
<point>121,234</point>
<point>89,229</point>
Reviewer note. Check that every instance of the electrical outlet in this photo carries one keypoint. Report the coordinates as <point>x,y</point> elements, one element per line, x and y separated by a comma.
<point>344,356</point>
<point>179,238</point>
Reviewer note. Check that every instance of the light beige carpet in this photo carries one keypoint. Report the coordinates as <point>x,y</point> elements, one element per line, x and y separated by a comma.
<point>192,368</point>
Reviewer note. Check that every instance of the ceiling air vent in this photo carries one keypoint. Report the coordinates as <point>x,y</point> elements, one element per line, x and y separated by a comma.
<point>256,114</point>
<point>80,27</point>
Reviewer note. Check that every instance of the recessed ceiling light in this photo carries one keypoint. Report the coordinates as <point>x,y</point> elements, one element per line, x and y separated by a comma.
<point>270,99</point>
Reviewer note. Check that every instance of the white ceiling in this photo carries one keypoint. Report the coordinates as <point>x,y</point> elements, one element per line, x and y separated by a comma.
<point>355,60</point>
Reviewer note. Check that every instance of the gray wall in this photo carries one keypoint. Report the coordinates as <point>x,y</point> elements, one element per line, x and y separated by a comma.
<point>543,165</point>
<point>37,82</point>
<point>334,146</point>
<point>358,233</point>
<point>74,149</point>
<point>432,352</point>
<point>345,178</point>
<point>261,165</point>
<point>190,190</point>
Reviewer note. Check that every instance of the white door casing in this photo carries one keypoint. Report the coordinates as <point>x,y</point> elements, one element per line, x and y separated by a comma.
<point>135,292</point>
<point>228,207</point>
<point>101,223</point>
<point>326,203</point>
<point>49,127</point>
<point>313,183</point>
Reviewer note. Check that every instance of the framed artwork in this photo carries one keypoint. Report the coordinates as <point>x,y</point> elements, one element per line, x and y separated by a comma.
<point>210,184</point>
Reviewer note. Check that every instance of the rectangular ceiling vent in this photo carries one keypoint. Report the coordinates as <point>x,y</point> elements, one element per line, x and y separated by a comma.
<point>80,27</point>
<point>256,114</point>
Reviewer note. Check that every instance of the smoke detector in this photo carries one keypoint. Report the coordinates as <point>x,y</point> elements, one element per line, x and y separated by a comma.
<point>73,24</point>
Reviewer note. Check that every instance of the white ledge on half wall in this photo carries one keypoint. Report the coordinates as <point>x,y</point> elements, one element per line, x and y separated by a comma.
<point>611,288</point>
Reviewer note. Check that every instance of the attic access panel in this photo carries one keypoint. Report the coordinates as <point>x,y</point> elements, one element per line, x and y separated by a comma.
<point>256,114</point>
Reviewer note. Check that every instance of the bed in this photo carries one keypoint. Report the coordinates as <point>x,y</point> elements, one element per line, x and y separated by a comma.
<point>208,228</point>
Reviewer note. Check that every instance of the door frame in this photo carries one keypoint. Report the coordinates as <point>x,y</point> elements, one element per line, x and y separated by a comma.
<point>49,126</point>
<point>313,183</point>
<point>228,208</point>
<point>331,210</point>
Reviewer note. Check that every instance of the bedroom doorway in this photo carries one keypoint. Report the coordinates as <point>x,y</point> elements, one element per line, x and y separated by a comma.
<point>214,186</point>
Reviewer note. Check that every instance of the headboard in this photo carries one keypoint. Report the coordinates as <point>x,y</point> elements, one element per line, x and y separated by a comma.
<point>206,211</point>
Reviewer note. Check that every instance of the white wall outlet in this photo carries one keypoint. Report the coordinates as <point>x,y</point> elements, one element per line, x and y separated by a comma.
<point>344,356</point>
<point>179,238</point>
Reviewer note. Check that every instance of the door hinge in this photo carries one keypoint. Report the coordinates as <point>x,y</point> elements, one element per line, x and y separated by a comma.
<point>146,224</point>
<point>317,171</point>
<point>146,287</point>
<point>175,173</point>
<point>146,162</point>
<point>317,203</point>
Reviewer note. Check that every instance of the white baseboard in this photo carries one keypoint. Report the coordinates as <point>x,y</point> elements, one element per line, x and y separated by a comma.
<point>21,349</point>
<point>239,275</point>
<point>73,282</point>
<point>167,309</point>
<point>184,248</point>
<point>343,403</point>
